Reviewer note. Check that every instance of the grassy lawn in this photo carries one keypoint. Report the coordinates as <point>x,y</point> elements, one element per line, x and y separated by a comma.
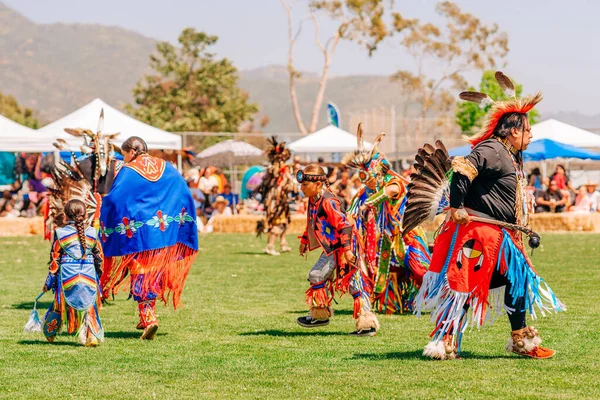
<point>236,337</point>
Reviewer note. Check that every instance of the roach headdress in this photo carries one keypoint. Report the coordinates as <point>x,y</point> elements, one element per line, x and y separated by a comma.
<point>369,162</point>
<point>499,108</point>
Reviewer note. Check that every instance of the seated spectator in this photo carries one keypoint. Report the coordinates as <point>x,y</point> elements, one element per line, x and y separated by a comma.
<point>232,198</point>
<point>583,202</point>
<point>561,178</point>
<point>8,210</point>
<point>552,200</point>
<point>220,207</point>
<point>594,196</point>
<point>535,179</point>
<point>210,200</point>
<point>197,194</point>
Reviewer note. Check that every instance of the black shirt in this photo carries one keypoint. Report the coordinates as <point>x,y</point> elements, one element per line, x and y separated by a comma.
<point>493,191</point>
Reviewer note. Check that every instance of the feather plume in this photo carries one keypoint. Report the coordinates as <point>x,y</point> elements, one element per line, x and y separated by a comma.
<point>429,188</point>
<point>360,140</point>
<point>100,123</point>
<point>477,97</point>
<point>506,84</point>
<point>376,142</point>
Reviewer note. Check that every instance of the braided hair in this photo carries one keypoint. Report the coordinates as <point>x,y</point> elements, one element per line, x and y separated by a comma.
<point>75,210</point>
<point>137,144</point>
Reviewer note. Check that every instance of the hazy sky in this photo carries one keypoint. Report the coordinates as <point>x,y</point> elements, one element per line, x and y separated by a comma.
<point>552,43</point>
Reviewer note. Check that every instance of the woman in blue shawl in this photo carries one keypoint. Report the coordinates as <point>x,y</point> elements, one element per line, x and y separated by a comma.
<point>148,228</point>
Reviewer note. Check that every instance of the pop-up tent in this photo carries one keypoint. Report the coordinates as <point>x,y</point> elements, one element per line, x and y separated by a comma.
<point>114,121</point>
<point>230,152</point>
<point>544,149</point>
<point>327,140</point>
<point>564,133</point>
<point>15,137</point>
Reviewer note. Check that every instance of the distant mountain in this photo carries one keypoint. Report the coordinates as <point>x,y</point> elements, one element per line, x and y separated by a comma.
<point>57,68</point>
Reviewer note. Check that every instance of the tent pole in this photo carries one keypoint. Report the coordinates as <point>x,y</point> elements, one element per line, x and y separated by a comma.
<point>179,163</point>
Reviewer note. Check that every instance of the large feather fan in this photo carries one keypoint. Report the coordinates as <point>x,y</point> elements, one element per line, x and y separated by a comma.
<point>429,190</point>
<point>69,183</point>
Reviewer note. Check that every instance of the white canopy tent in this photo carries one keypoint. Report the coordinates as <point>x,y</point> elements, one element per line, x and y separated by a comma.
<point>564,133</point>
<point>115,121</point>
<point>327,140</point>
<point>230,152</point>
<point>15,137</point>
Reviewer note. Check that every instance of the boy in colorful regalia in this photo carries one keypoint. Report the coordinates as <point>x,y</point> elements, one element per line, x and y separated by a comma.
<point>75,268</point>
<point>148,232</point>
<point>328,228</point>
<point>396,264</point>
<point>479,265</point>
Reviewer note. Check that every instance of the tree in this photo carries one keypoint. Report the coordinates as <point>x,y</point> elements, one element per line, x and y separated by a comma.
<point>464,44</point>
<point>191,90</point>
<point>9,107</point>
<point>360,21</point>
<point>469,115</point>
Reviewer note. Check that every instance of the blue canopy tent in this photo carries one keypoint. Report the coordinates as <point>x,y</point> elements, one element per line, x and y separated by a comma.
<point>544,149</point>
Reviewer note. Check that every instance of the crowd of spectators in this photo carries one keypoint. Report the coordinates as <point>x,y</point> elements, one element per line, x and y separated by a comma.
<point>26,196</point>
<point>556,194</point>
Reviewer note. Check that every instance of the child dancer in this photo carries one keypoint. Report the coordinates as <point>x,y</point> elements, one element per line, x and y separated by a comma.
<point>75,267</point>
<point>328,228</point>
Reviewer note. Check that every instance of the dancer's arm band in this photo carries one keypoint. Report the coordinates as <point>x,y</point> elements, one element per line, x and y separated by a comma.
<point>377,198</point>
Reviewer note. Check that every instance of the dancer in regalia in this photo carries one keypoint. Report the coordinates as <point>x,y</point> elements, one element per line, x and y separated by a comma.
<point>396,264</point>
<point>275,189</point>
<point>327,228</point>
<point>480,267</point>
<point>148,232</point>
<point>75,268</point>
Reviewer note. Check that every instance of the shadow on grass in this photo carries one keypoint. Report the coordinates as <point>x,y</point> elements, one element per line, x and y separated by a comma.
<point>128,334</point>
<point>418,355</point>
<point>276,332</point>
<point>28,305</point>
<point>46,343</point>
<point>335,312</point>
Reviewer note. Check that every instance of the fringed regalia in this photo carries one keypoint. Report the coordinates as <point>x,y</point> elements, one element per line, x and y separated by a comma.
<point>328,228</point>
<point>275,189</point>
<point>148,230</point>
<point>74,279</point>
<point>479,270</point>
<point>395,263</point>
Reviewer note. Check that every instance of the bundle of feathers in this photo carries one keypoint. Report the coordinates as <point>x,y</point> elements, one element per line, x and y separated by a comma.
<point>361,157</point>
<point>69,183</point>
<point>429,189</point>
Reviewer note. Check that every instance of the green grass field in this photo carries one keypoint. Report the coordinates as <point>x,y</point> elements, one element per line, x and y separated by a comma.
<point>236,337</point>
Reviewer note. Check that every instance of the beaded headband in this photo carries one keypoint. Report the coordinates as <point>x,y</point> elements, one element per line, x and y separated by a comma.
<point>301,177</point>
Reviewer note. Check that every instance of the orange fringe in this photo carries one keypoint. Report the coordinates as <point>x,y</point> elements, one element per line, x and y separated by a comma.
<point>318,297</point>
<point>165,271</point>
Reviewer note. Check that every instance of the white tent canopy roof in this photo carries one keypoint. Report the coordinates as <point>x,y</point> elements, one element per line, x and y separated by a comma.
<point>564,133</point>
<point>237,148</point>
<point>115,121</point>
<point>15,137</point>
<point>327,140</point>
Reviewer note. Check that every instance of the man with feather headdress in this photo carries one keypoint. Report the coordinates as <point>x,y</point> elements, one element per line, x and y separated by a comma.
<point>395,263</point>
<point>479,265</point>
<point>275,189</point>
